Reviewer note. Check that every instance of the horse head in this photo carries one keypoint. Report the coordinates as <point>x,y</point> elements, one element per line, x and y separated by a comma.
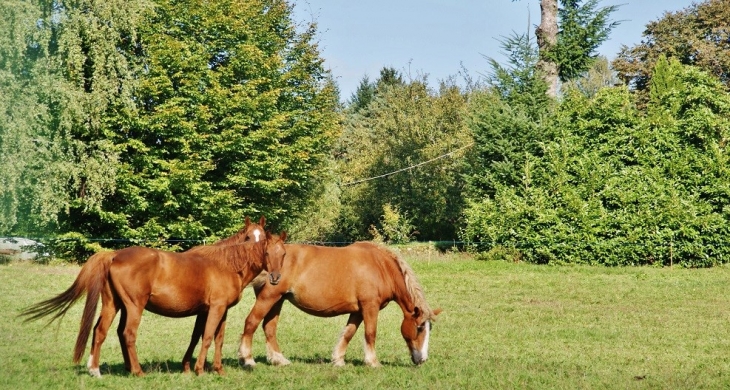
<point>416,330</point>
<point>274,258</point>
<point>252,231</point>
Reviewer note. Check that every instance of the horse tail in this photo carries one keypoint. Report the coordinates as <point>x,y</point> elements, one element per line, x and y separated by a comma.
<point>91,279</point>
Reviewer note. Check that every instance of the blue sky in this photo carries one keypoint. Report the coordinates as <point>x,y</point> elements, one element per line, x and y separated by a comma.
<point>437,37</point>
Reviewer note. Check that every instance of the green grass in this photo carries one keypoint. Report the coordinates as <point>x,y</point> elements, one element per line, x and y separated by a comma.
<point>504,325</point>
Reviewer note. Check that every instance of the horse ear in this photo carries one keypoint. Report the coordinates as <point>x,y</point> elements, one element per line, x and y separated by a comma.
<point>437,311</point>
<point>283,235</point>
<point>416,312</point>
<point>268,236</point>
<point>248,221</point>
<point>262,221</point>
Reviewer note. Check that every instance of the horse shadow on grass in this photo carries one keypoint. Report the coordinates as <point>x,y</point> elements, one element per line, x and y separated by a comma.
<point>315,360</point>
<point>171,366</point>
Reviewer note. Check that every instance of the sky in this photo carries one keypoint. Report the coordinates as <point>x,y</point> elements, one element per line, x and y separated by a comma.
<point>439,38</point>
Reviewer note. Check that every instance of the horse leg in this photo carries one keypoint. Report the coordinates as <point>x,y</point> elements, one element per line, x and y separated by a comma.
<point>197,334</point>
<point>108,312</point>
<point>219,335</point>
<point>215,314</point>
<point>273,353</point>
<point>338,355</point>
<point>120,333</point>
<point>370,316</point>
<point>262,307</point>
<point>129,333</point>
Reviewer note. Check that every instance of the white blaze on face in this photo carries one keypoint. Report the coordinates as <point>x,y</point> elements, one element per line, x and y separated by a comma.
<point>257,235</point>
<point>424,348</point>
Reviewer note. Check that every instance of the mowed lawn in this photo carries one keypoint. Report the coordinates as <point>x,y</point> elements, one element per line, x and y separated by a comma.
<point>504,325</point>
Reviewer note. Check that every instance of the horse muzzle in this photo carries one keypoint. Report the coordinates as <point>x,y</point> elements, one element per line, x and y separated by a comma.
<point>274,278</point>
<point>417,357</point>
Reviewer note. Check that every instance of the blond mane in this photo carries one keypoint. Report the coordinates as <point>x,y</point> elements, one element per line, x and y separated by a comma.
<point>412,285</point>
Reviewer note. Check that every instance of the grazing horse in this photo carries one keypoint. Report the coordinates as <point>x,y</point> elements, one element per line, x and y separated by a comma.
<point>359,280</point>
<point>204,281</point>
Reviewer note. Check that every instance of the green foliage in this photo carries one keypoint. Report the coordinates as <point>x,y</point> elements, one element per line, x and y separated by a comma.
<point>395,227</point>
<point>363,95</point>
<point>156,120</point>
<point>519,82</point>
<point>405,125</point>
<point>236,118</point>
<point>696,35</point>
<point>59,76</point>
<point>582,29</point>
<point>615,186</point>
<point>599,76</point>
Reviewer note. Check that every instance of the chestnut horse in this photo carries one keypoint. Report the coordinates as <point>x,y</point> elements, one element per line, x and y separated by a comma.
<point>359,280</point>
<point>250,232</point>
<point>204,281</point>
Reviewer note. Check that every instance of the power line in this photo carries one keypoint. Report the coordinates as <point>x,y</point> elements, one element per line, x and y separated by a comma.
<point>408,168</point>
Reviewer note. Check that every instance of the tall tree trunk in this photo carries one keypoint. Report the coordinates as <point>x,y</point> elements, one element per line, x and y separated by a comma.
<point>547,38</point>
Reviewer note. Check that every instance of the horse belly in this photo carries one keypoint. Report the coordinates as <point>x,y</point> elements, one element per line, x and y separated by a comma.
<point>323,306</point>
<point>177,304</point>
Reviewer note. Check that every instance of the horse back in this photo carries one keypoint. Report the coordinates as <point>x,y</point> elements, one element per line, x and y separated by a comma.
<point>340,277</point>
<point>173,284</point>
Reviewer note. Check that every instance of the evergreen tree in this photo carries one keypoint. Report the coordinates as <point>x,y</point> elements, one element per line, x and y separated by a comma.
<point>236,117</point>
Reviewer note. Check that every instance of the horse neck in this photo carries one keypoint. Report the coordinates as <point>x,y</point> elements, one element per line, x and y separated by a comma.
<point>232,239</point>
<point>403,279</point>
<point>246,258</point>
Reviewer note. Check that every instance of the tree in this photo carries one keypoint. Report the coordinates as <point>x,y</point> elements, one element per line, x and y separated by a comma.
<point>599,76</point>
<point>163,121</point>
<point>697,35</point>
<point>236,117</point>
<point>567,38</point>
<point>615,184</point>
<point>406,124</point>
<point>547,39</point>
<point>583,28</point>
<point>67,68</point>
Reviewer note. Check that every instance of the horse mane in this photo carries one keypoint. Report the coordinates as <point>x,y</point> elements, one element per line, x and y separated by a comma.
<point>236,257</point>
<point>412,285</point>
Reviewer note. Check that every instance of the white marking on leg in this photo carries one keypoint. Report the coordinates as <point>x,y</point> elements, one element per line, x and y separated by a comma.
<point>95,372</point>
<point>370,358</point>
<point>257,235</point>
<point>244,353</point>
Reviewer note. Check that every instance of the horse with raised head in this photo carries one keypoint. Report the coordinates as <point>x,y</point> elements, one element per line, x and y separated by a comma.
<point>250,232</point>
<point>204,281</point>
<point>359,280</point>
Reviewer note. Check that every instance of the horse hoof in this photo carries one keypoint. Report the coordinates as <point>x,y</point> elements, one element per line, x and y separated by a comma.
<point>279,360</point>
<point>95,372</point>
<point>338,363</point>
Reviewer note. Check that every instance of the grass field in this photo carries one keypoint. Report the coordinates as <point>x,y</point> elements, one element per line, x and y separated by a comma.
<point>504,325</point>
